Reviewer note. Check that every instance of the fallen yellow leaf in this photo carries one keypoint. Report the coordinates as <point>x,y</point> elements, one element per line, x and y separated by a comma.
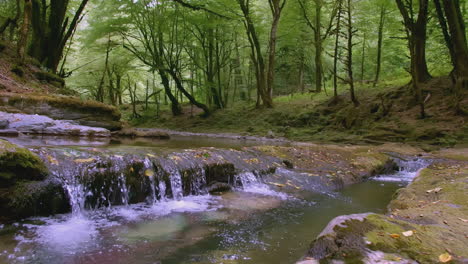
<point>149,173</point>
<point>84,160</point>
<point>52,160</point>
<point>395,235</point>
<point>277,184</point>
<point>444,258</point>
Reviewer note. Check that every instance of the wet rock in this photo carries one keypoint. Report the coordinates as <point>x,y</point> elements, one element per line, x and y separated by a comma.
<point>85,113</point>
<point>37,124</point>
<point>33,198</point>
<point>4,124</point>
<point>270,134</point>
<point>24,189</point>
<point>219,187</point>
<point>9,132</point>
<point>18,164</point>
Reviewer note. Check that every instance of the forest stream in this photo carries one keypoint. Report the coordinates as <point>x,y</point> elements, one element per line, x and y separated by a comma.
<point>169,216</point>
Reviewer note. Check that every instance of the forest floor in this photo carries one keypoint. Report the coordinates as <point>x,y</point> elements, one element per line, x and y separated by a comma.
<point>385,114</point>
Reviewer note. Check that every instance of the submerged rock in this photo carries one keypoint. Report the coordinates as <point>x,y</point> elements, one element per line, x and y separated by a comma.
<point>219,187</point>
<point>37,124</point>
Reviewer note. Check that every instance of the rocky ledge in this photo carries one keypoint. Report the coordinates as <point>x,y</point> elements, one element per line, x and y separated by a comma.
<point>85,113</point>
<point>427,222</point>
<point>14,124</point>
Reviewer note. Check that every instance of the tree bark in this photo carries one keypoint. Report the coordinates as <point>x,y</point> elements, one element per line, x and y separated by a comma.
<point>416,33</point>
<point>349,61</point>
<point>380,44</point>
<point>24,32</point>
<point>335,54</point>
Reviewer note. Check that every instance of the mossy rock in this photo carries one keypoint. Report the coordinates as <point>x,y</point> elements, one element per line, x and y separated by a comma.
<point>18,70</point>
<point>51,78</point>
<point>18,164</point>
<point>35,198</point>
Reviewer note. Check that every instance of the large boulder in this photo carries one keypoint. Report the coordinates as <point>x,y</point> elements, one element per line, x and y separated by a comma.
<point>86,113</point>
<point>19,164</point>
<point>25,189</point>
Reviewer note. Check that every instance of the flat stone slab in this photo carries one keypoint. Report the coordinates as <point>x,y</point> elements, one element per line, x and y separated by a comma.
<point>39,124</point>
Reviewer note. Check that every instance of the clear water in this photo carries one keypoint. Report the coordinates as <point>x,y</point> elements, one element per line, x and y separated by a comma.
<point>259,223</point>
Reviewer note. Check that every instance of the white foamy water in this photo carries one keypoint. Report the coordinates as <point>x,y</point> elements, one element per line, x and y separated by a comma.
<point>408,170</point>
<point>251,184</point>
<point>68,236</point>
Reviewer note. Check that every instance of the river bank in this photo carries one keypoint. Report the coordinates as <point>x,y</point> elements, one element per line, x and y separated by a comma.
<point>426,222</point>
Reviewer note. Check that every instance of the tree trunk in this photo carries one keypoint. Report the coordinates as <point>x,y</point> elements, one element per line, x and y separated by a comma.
<point>335,54</point>
<point>349,62</point>
<point>192,99</point>
<point>52,29</point>
<point>379,45</point>
<point>276,7</point>
<point>363,57</point>
<point>24,32</point>
<point>318,47</point>
<point>175,106</point>
<point>416,33</point>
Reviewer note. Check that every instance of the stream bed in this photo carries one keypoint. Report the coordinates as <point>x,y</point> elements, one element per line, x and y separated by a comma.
<point>255,223</point>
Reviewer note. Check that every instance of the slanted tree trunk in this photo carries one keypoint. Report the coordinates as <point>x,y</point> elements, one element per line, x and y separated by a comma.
<point>380,44</point>
<point>180,87</point>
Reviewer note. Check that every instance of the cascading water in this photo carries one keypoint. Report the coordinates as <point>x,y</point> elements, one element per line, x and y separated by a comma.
<point>407,170</point>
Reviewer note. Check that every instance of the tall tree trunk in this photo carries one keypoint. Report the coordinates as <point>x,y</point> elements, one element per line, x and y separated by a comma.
<point>335,54</point>
<point>52,29</point>
<point>380,44</point>
<point>24,32</point>
<point>318,46</point>
<point>416,33</point>
<point>349,61</point>
<point>363,57</point>
<point>276,7</point>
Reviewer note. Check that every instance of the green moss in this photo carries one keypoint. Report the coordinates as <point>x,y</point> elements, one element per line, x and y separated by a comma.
<point>19,164</point>
<point>51,78</point>
<point>18,70</point>
<point>67,102</point>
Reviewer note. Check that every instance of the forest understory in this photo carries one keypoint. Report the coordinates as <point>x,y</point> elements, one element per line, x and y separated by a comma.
<point>385,114</point>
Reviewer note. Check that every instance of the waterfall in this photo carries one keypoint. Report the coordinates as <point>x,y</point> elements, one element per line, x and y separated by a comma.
<point>408,169</point>
<point>122,183</point>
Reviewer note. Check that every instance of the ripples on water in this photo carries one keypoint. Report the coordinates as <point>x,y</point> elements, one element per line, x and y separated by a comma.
<point>255,224</point>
